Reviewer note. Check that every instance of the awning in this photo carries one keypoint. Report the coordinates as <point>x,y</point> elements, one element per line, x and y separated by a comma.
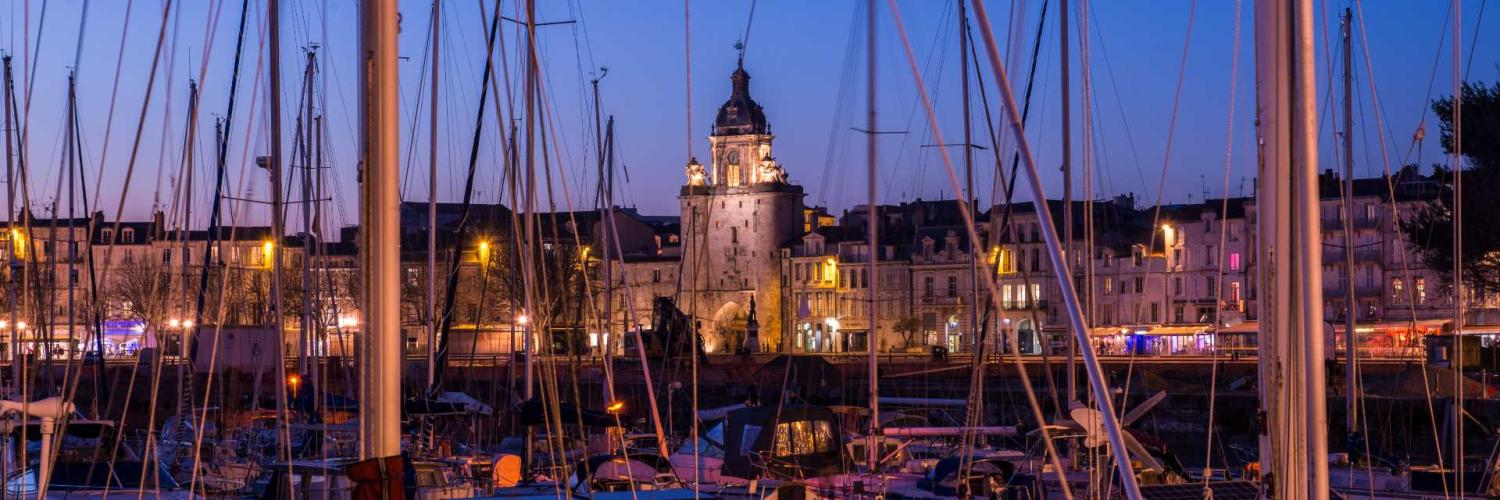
<point>1105,331</point>
<point>1178,330</point>
<point>1424,324</point>
<point>1243,327</point>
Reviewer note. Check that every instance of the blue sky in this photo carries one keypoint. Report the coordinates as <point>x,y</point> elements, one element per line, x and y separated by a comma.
<point>806,59</point>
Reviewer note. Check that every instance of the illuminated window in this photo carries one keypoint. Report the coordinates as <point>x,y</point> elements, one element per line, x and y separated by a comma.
<point>1234,261</point>
<point>803,437</point>
<point>1421,290</point>
<point>1396,288</point>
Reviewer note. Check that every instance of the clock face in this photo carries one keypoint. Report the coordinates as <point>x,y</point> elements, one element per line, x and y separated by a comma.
<point>734,157</point>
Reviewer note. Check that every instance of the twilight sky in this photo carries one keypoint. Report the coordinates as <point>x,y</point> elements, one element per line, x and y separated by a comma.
<point>807,64</point>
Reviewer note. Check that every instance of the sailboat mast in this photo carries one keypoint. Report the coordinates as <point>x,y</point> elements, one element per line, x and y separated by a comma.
<point>10,217</point>
<point>975,250</point>
<point>432,180</point>
<point>69,153</point>
<point>1291,298</point>
<point>278,224</point>
<point>185,334</point>
<point>1351,351</point>
<point>380,380</point>
<point>606,208</point>
<point>1067,175</point>
<point>310,355</point>
<point>872,446</point>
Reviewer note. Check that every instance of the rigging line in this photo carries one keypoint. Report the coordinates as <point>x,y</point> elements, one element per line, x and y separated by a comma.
<point>1362,403</point>
<point>1457,167</point>
<point>1161,182</point>
<point>451,286</point>
<point>1090,360</point>
<point>1119,101</point>
<point>166,118</point>
<point>1010,182</point>
<point>135,147</point>
<point>114,93</point>
<point>841,103</point>
<point>221,150</point>
<point>422,83</point>
<point>1436,59</point>
<point>966,210</point>
<point>83,21</point>
<point>937,57</point>
<point>1474,43</point>
<point>745,40</point>
<point>1213,384</point>
<point>41,30</point>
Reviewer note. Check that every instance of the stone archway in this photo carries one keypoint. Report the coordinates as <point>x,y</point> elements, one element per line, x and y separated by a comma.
<point>727,331</point>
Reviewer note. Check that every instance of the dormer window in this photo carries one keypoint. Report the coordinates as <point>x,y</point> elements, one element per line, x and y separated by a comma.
<point>108,235</point>
<point>127,235</point>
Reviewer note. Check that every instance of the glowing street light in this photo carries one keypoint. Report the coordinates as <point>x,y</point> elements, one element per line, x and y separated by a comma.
<point>174,323</point>
<point>522,319</point>
<point>615,408</point>
<point>267,251</point>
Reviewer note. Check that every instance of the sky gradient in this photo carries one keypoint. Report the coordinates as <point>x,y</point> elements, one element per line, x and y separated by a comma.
<point>807,65</point>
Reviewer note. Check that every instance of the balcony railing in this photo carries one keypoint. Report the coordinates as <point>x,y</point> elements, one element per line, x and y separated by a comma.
<point>1023,305</point>
<point>940,300</point>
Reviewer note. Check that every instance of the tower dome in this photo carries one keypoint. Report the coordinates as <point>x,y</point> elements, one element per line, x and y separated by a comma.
<point>740,114</point>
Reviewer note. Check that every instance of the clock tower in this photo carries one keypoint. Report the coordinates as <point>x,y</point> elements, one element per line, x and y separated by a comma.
<point>736,215</point>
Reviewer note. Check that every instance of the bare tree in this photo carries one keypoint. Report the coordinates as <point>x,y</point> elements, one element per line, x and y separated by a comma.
<point>140,290</point>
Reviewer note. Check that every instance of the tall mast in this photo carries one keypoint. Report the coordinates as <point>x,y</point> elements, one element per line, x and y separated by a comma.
<point>10,217</point>
<point>873,221</point>
<point>69,153</point>
<point>278,224</point>
<point>1289,241</point>
<point>528,228</point>
<point>969,197</point>
<point>185,334</point>
<point>1067,171</point>
<point>1456,163</point>
<point>310,356</point>
<point>1351,352</point>
<point>606,209</point>
<point>380,377</point>
<point>432,180</point>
